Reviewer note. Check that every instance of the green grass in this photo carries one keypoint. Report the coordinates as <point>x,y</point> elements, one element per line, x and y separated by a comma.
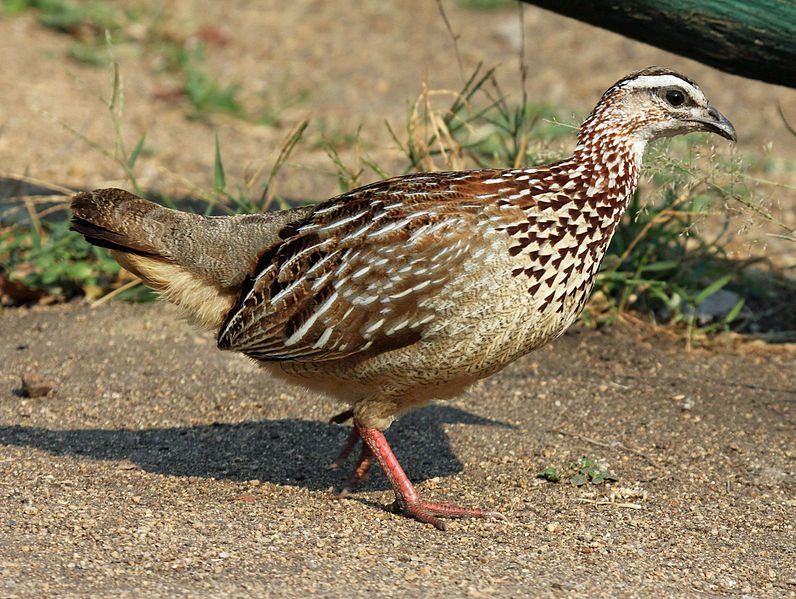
<point>85,22</point>
<point>68,16</point>
<point>660,261</point>
<point>583,472</point>
<point>56,261</point>
<point>203,91</point>
<point>90,24</point>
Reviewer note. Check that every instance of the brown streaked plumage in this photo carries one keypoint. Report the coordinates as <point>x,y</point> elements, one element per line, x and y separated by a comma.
<point>413,288</point>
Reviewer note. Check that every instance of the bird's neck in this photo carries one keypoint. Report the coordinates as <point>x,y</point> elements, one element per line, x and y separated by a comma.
<point>610,156</point>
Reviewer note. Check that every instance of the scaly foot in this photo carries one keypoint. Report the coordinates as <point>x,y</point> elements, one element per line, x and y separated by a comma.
<point>407,501</point>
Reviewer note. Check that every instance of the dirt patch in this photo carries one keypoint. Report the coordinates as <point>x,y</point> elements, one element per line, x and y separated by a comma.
<point>160,465</point>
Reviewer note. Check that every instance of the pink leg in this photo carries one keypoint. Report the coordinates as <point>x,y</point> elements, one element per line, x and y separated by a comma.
<point>360,472</point>
<point>352,441</point>
<point>407,501</point>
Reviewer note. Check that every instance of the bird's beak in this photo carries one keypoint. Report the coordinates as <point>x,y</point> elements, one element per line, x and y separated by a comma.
<point>715,122</point>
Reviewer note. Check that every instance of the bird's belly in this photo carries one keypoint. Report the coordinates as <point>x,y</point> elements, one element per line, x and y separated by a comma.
<point>481,330</point>
<point>485,320</point>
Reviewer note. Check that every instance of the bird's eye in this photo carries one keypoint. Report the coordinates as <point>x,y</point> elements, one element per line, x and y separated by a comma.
<point>675,97</point>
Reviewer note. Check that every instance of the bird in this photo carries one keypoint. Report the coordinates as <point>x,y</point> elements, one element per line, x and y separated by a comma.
<point>409,289</point>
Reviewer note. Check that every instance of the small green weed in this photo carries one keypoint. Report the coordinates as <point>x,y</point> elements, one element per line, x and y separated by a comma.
<point>85,22</point>
<point>88,23</point>
<point>204,92</point>
<point>54,259</point>
<point>585,471</point>
<point>82,19</point>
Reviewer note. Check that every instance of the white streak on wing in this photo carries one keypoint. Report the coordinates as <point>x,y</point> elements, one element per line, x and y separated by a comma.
<point>321,263</point>
<point>325,306</point>
<point>297,336</point>
<point>422,285</point>
<point>396,225</point>
<point>418,233</point>
<point>341,269</point>
<point>323,338</point>
<point>286,291</point>
<point>339,223</point>
<point>321,281</point>
<point>358,301</point>
<point>403,293</point>
<point>426,319</point>
<point>374,327</point>
<point>360,273</point>
<point>393,329</point>
<point>384,230</point>
<point>303,253</point>
<point>357,233</point>
<point>261,274</point>
<point>492,181</point>
<point>327,210</point>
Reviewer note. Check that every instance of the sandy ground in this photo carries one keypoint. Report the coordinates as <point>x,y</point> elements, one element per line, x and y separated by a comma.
<point>160,467</point>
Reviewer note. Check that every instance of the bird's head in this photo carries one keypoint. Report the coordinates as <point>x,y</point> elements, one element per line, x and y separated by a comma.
<point>656,102</point>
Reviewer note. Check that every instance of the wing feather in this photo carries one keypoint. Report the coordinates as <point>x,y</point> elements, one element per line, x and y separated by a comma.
<point>352,278</point>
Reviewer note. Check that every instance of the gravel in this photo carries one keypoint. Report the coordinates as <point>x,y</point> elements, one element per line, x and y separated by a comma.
<point>160,466</point>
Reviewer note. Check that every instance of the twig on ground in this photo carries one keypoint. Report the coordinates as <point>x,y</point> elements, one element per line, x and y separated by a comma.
<point>632,506</point>
<point>115,292</point>
<point>613,445</point>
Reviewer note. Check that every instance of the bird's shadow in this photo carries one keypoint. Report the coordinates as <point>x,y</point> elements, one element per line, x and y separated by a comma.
<point>285,452</point>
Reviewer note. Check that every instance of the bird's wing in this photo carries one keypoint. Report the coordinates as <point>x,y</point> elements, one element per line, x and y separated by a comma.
<point>356,275</point>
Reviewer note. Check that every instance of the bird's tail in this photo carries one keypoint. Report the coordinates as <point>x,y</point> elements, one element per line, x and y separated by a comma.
<point>196,262</point>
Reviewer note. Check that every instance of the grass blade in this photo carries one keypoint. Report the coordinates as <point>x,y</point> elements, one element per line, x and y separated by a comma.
<point>712,288</point>
<point>136,151</point>
<point>219,180</point>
